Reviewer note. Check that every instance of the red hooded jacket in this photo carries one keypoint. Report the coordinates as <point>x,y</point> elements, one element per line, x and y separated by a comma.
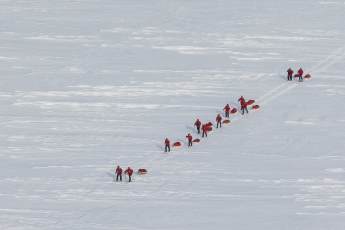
<point>290,72</point>
<point>242,102</point>
<point>227,108</point>
<point>204,128</point>
<point>129,171</point>
<point>189,137</point>
<point>219,118</point>
<point>118,170</point>
<point>300,72</point>
<point>197,123</point>
<point>167,142</point>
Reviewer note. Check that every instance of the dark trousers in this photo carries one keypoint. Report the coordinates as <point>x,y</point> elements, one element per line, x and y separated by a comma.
<point>226,114</point>
<point>219,123</point>
<point>118,176</point>
<point>204,133</point>
<point>129,178</point>
<point>167,148</point>
<point>244,109</point>
<point>190,143</point>
<point>300,78</point>
<point>289,77</point>
<point>198,128</point>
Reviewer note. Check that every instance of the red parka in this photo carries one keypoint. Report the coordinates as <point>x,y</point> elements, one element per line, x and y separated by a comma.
<point>118,170</point>
<point>219,118</point>
<point>197,123</point>
<point>204,128</point>
<point>290,72</point>
<point>242,102</point>
<point>167,142</point>
<point>227,108</point>
<point>300,72</point>
<point>189,137</point>
<point>129,171</point>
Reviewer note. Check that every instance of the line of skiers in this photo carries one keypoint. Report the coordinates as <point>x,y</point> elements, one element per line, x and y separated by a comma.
<point>205,127</point>
<point>199,126</point>
<point>299,74</point>
<point>118,172</point>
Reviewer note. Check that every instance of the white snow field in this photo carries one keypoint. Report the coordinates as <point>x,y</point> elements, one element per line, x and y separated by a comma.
<point>90,84</point>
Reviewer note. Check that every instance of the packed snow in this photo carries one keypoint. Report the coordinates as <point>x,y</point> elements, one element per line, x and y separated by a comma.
<point>88,85</point>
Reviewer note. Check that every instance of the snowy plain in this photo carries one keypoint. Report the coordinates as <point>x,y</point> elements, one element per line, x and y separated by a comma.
<point>89,84</point>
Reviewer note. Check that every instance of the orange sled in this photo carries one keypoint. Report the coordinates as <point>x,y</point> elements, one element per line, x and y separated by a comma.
<point>250,102</point>
<point>177,144</point>
<point>142,171</point>
<point>308,76</point>
<point>234,110</point>
<point>255,106</point>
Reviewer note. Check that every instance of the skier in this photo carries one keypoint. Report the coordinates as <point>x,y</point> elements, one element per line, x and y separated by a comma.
<point>197,124</point>
<point>227,110</point>
<point>219,120</point>
<point>243,105</point>
<point>290,73</point>
<point>204,130</point>
<point>118,173</point>
<point>300,74</point>
<point>167,145</point>
<point>129,172</point>
<point>190,140</point>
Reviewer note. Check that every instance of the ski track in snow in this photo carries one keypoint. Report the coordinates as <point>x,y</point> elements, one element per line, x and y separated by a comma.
<point>323,65</point>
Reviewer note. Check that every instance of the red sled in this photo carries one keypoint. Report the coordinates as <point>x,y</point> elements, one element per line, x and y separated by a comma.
<point>226,121</point>
<point>177,144</point>
<point>209,124</point>
<point>142,171</point>
<point>250,102</point>
<point>296,75</point>
<point>197,140</point>
<point>308,76</point>
<point>209,128</point>
<point>234,110</point>
<point>255,106</point>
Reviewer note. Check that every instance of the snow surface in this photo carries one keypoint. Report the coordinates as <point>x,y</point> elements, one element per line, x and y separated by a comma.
<point>86,85</point>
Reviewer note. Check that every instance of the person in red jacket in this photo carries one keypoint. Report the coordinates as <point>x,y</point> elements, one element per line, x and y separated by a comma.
<point>227,110</point>
<point>197,124</point>
<point>219,121</point>
<point>167,145</point>
<point>190,140</point>
<point>118,173</point>
<point>204,130</point>
<point>300,74</point>
<point>129,172</point>
<point>290,74</point>
<point>243,105</point>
